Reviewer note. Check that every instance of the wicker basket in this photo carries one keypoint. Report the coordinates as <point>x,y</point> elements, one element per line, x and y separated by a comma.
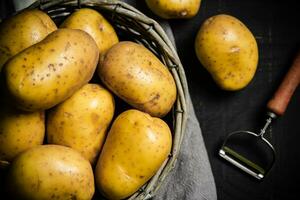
<point>148,32</point>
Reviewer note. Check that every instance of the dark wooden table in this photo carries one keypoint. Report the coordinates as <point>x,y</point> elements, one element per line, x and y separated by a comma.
<point>276,27</point>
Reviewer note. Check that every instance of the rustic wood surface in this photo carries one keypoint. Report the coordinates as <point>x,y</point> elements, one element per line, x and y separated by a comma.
<point>276,27</point>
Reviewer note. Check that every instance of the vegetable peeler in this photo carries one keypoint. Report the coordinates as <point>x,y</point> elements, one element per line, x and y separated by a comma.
<point>253,152</point>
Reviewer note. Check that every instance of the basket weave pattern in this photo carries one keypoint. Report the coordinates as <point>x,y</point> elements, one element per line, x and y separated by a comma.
<point>148,32</point>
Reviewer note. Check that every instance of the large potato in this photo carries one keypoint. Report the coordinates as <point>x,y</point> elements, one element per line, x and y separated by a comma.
<point>174,9</point>
<point>136,146</point>
<point>50,71</point>
<point>23,30</point>
<point>133,73</point>
<point>94,24</point>
<point>228,50</point>
<point>81,121</point>
<point>50,172</point>
<point>19,130</point>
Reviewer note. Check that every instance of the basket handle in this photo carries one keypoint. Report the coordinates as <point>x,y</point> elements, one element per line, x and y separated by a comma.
<point>278,103</point>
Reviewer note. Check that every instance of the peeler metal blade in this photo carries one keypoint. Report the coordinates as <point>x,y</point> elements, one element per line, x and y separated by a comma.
<point>259,156</point>
<point>233,160</point>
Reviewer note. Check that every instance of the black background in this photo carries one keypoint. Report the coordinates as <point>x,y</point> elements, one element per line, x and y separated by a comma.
<point>276,27</point>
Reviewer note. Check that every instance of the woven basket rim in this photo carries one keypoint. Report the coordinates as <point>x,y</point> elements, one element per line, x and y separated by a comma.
<point>169,56</point>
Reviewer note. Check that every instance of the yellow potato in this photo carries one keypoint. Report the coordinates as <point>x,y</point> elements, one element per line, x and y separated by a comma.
<point>95,24</point>
<point>174,9</point>
<point>133,73</point>
<point>23,30</point>
<point>50,71</point>
<point>228,50</point>
<point>19,130</point>
<point>50,172</point>
<point>136,146</point>
<point>81,121</point>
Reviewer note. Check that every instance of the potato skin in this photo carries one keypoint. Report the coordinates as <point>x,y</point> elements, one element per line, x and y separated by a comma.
<point>134,74</point>
<point>94,24</point>
<point>50,172</point>
<point>174,9</point>
<point>81,121</point>
<point>136,146</point>
<point>19,130</point>
<point>23,30</point>
<point>50,71</point>
<point>228,50</point>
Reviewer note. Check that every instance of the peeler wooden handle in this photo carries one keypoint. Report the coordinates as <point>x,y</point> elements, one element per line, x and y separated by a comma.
<point>282,96</point>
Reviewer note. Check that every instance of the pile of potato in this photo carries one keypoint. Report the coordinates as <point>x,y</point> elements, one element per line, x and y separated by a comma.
<point>58,133</point>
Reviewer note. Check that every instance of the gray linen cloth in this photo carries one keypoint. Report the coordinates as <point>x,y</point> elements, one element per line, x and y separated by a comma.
<point>192,178</point>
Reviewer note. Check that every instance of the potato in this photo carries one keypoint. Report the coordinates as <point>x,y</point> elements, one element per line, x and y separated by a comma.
<point>95,24</point>
<point>50,172</point>
<point>81,121</point>
<point>19,130</point>
<point>23,30</point>
<point>50,71</point>
<point>174,9</point>
<point>228,50</point>
<point>136,146</point>
<point>134,74</point>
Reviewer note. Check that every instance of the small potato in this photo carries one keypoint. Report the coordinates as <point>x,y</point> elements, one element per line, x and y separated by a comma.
<point>50,71</point>
<point>133,73</point>
<point>50,172</point>
<point>95,24</point>
<point>136,146</point>
<point>19,130</point>
<point>23,30</point>
<point>174,9</point>
<point>228,50</point>
<point>81,121</point>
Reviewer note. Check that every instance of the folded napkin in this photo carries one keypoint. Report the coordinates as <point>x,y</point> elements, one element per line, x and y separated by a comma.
<point>192,177</point>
